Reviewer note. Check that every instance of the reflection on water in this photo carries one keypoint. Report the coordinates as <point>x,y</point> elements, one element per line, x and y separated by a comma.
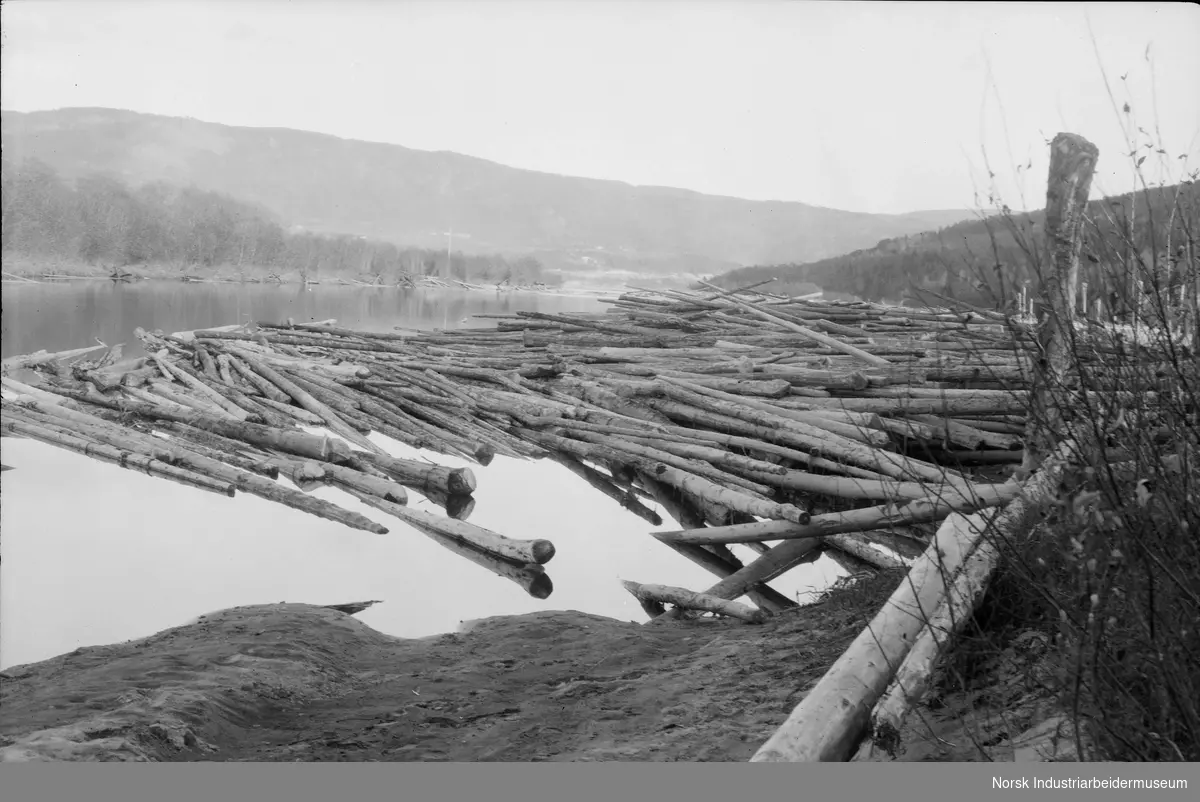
<point>96,554</point>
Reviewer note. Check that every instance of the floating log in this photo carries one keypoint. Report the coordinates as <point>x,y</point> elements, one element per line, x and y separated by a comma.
<point>627,499</point>
<point>815,335</point>
<point>269,390</point>
<point>178,399</point>
<point>129,459</point>
<point>856,520</point>
<point>531,577</point>
<point>304,399</point>
<point>292,442</point>
<point>690,600</point>
<point>518,552</point>
<point>457,506</point>
<point>695,466</point>
<point>347,478</point>
<point>687,482</point>
<point>770,565</point>
<point>716,559</point>
<point>421,475</point>
<point>242,480</point>
<point>43,357</point>
<point>212,396</point>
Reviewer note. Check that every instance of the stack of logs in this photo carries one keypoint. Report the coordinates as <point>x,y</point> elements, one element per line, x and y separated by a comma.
<point>793,426</point>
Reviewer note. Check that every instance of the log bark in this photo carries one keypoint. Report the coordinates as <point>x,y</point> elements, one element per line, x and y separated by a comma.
<point>717,559</point>
<point>43,357</point>
<point>827,724</point>
<point>517,552</point>
<point>859,520</point>
<point>246,482</point>
<point>776,429</point>
<point>421,475</point>
<point>304,471</point>
<point>774,563</point>
<point>876,548</point>
<point>914,676</point>
<point>687,482</point>
<point>666,457</point>
<point>690,600</point>
<point>265,387</point>
<point>200,388</point>
<point>1072,164</point>
<point>304,399</point>
<point>1008,528</point>
<point>293,442</point>
<point>130,459</point>
<point>598,481</point>
<point>178,398</point>
<point>837,345</point>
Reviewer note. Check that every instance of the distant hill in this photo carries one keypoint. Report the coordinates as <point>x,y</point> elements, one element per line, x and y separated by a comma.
<point>969,260</point>
<point>412,197</point>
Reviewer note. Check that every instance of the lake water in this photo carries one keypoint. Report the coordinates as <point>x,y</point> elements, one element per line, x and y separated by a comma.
<point>95,554</point>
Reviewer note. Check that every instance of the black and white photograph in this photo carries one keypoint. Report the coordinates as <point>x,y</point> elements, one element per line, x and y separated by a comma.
<point>644,381</point>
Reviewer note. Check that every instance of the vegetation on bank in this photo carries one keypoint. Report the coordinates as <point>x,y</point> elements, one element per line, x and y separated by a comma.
<point>99,224</point>
<point>1112,574</point>
<point>988,261</point>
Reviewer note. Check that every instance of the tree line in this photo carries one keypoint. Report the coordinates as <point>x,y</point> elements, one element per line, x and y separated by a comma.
<point>101,220</point>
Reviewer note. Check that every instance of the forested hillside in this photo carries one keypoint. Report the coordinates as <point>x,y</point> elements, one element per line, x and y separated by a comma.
<point>982,261</point>
<point>101,220</point>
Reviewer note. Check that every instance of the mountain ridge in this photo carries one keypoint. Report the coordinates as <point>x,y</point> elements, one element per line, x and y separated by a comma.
<point>333,184</point>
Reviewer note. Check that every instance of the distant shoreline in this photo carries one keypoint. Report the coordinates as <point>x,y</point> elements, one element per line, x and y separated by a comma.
<point>19,269</point>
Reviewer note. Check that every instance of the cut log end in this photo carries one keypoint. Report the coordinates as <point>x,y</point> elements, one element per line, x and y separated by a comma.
<point>543,551</point>
<point>459,507</point>
<point>541,587</point>
<point>461,481</point>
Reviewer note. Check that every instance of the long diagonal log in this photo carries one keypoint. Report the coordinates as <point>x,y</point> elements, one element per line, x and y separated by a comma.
<point>202,389</point>
<point>826,724</point>
<point>517,552</point>
<point>833,717</point>
<point>598,481</point>
<point>688,482</point>
<point>698,467</point>
<point>304,399</point>
<point>857,520</point>
<point>293,442</point>
<point>807,332</point>
<point>913,676</point>
<point>690,600</point>
<point>131,460</point>
<point>783,430</point>
<point>242,480</point>
<point>716,559</point>
<point>345,478</point>
<point>42,357</point>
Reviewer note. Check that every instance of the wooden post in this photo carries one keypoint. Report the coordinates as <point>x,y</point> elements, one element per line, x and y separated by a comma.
<point>1072,163</point>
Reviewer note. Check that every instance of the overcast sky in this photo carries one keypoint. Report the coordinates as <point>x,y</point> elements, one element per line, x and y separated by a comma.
<point>862,106</point>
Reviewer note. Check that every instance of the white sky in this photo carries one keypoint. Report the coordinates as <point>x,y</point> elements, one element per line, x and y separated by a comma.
<point>862,106</point>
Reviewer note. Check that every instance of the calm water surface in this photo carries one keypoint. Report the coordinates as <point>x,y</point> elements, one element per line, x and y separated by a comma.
<point>96,554</point>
